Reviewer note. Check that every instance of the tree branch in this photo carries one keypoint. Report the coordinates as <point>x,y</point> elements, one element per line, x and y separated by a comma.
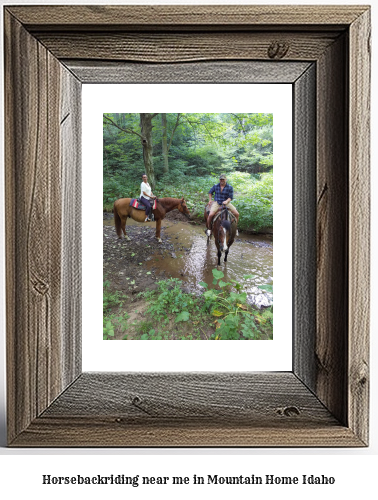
<point>241,123</point>
<point>128,131</point>
<point>174,130</point>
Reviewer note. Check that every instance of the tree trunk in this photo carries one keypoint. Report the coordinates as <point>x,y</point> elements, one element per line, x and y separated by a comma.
<point>146,131</point>
<point>164,142</point>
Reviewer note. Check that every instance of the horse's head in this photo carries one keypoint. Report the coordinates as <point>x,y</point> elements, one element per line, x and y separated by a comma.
<point>183,208</point>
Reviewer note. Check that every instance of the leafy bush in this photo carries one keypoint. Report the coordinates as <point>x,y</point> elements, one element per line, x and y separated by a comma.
<point>254,199</point>
<point>235,319</point>
<point>253,194</point>
<point>111,321</point>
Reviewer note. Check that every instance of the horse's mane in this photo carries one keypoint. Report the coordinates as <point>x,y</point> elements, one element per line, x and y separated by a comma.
<point>169,199</point>
<point>226,224</point>
<point>168,202</point>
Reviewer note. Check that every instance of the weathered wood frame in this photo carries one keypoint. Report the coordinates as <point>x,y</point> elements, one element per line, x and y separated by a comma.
<point>49,53</point>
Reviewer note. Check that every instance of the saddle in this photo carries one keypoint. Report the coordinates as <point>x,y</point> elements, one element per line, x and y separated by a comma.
<point>135,203</point>
<point>230,216</point>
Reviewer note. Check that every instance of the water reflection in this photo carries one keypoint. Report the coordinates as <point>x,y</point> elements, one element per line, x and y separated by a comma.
<point>193,260</point>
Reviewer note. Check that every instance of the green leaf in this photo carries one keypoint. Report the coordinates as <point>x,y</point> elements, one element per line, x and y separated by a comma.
<point>183,316</point>
<point>201,283</point>
<point>239,297</point>
<point>249,276</point>
<point>222,284</point>
<point>217,274</point>
<point>217,313</point>
<point>145,337</point>
<point>268,288</point>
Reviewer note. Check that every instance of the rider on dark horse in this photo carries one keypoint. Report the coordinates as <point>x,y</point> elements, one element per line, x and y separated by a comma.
<point>224,193</point>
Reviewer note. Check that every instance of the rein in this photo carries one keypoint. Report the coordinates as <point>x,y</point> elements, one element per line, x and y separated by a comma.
<point>224,210</point>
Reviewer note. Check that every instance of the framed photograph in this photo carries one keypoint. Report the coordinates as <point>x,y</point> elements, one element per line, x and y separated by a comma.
<point>323,52</point>
<point>167,290</point>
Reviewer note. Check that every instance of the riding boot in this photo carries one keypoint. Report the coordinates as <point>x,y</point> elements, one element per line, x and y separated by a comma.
<point>209,221</point>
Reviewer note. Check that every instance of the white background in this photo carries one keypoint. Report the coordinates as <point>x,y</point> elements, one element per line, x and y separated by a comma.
<point>195,355</point>
<point>354,469</point>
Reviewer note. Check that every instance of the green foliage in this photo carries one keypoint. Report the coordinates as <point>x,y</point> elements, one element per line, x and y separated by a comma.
<point>255,199</point>
<point>112,322</point>
<point>173,314</point>
<point>200,143</point>
<point>203,145</point>
<point>236,320</point>
<point>171,300</point>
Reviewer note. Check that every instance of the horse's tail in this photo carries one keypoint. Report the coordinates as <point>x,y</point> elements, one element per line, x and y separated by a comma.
<point>117,220</point>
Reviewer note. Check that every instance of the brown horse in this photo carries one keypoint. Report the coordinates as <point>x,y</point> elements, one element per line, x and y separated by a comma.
<point>122,210</point>
<point>224,231</point>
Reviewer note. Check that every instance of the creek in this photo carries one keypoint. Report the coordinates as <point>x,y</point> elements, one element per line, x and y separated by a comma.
<point>192,259</point>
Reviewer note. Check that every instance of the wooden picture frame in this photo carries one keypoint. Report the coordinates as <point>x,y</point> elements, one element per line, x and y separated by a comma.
<point>324,51</point>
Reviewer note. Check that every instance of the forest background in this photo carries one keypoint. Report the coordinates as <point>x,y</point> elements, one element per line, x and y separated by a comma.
<point>183,155</point>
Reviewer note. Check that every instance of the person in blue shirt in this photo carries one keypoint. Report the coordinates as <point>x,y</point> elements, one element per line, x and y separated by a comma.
<point>224,193</point>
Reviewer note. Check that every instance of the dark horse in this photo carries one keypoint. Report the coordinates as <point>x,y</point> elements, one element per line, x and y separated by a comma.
<point>224,231</point>
<point>122,210</point>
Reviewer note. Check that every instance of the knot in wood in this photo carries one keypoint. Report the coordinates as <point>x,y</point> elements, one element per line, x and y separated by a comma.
<point>41,287</point>
<point>277,50</point>
<point>363,380</point>
<point>136,400</point>
<point>288,411</point>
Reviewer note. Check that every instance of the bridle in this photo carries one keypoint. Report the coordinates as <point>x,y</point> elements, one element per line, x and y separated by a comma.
<point>182,205</point>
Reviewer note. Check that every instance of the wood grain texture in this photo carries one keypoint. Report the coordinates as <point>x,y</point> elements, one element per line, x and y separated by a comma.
<point>33,228</point>
<point>100,432</point>
<point>180,47</point>
<point>197,409</point>
<point>191,396</point>
<point>199,72</point>
<point>319,404</point>
<point>70,142</point>
<point>184,16</point>
<point>304,227</point>
<point>359,226</point>
<point>332,230</point>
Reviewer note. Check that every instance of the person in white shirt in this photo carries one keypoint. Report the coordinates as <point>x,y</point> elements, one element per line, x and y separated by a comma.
<point>145,196</point>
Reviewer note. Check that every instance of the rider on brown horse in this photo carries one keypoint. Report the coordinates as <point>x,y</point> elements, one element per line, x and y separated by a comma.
<point>224,193</point>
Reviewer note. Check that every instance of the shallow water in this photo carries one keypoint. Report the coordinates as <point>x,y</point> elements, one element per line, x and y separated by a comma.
<point>193,259</point>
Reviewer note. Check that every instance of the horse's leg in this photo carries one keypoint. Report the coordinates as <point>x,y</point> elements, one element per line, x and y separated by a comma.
<point>158,228</point>
<point>123,227</point>
<point>225,255</point>
<point>219,257</point>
